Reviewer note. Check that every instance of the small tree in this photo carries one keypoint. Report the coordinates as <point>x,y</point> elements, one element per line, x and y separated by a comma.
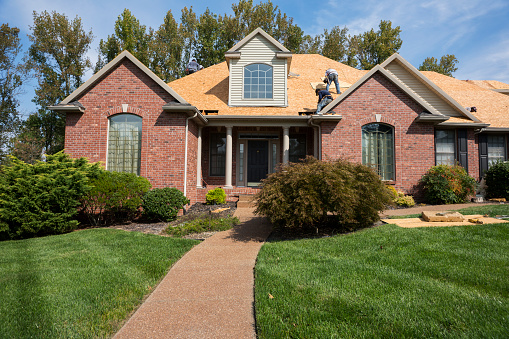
<point>312,192</point>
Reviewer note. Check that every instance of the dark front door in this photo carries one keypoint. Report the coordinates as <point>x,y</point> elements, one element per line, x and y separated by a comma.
<point>257,160</point>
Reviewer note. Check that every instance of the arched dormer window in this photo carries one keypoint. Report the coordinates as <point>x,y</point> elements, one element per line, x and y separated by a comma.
<point>124,143</point>
<point>258,81</point>
<point>378,149</point>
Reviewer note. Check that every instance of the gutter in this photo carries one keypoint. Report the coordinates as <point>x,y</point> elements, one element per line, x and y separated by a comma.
<point>310,122</point>
<point>185,152</point>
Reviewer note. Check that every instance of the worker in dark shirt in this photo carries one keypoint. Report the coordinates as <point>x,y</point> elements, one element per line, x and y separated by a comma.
<point>324,98</point>
<point>193,66</point>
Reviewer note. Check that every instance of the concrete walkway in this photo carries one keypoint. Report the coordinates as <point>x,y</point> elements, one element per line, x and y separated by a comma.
<point>209,292</point>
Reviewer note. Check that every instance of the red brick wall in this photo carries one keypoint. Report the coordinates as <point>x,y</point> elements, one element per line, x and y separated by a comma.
<point>163,133</point>
<point>413,142</point>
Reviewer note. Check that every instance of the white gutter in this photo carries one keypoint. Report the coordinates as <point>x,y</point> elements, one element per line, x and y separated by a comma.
<point>185,153</point>
<point>319,137</point>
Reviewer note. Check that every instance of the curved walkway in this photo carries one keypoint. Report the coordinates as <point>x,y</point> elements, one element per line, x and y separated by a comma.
<point>209,292</point>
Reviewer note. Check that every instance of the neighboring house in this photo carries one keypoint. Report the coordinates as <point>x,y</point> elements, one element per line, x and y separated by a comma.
<point>233,123</point>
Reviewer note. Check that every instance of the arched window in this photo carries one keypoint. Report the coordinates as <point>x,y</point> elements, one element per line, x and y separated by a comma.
<point>258,81</point>
<point>378,149</point>
<point>124,143</point>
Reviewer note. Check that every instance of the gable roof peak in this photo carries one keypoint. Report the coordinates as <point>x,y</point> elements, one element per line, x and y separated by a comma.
<point>111,65</point>
<point>261,32</point>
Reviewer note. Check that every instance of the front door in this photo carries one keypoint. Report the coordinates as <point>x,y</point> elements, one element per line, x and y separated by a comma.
<point>257,160</point>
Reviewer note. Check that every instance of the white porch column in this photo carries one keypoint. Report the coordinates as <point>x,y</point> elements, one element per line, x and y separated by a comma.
<point>198,160</point>
<point>229,157</point>
<point>286,145</point>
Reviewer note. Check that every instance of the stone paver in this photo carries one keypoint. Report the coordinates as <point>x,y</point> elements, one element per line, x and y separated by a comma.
<point>209,292</point>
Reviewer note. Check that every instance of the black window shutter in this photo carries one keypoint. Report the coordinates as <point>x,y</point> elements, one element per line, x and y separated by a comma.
<point>483,154</point>
<point>463,148</point>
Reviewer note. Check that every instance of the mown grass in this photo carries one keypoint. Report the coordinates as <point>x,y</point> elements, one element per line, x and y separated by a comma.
<point>82,284</point>
<point>386,282</point>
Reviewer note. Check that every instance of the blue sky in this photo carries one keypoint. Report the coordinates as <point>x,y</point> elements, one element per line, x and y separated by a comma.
<point>473,30</point>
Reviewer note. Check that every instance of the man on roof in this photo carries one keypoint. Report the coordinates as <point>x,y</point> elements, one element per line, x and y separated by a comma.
<point>193,66</point>
<point>324,98</point>
<point>330,76</point>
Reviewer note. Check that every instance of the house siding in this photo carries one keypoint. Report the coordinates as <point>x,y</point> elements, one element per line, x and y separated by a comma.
<point>258,50</point>
<point>424,92</point>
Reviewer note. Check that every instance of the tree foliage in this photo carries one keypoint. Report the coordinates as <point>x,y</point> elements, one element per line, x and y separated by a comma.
<point>129,35</point>
<point>58,58</point>
<point>446,65</point>
<point>12,75</point>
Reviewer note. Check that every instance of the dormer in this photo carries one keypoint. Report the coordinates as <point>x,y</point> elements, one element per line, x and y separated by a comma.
<point>258,66</point>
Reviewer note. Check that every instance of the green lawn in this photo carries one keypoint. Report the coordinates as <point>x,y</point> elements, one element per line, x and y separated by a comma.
<point>387,282</point>
<point>82,284</point>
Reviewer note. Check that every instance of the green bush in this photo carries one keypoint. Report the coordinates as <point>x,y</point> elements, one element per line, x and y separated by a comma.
<point>497,180</point>
<point>42,198</point>
<point>163,203</point>
<point>312,192</point>
<point>216,196</point>
<point>200,225</point>
<point>444,184</point>
<point>115,196</point>
<point>400,199</point>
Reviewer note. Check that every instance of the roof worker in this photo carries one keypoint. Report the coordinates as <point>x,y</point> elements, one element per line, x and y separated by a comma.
<point>324,98</point>
<point>193,66</point>
<point>330,76</point>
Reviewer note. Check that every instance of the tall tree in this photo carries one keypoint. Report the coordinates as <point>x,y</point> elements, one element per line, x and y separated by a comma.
<point>209,47</point>
<point>58,58</point>
<point>12,75</point>
<point>446,65</point>
<point>336,44</point>
<point>167,48</point>
<point>129,35</point>
<point>372,48</point>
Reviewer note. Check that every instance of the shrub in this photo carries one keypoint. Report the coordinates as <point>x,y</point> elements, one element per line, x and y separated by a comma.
<point>216,196</point>
<point>200,225</point>
<point>163,203</point>
<point>42,198</point>
<point>444,184</point>
<point>308,193</point>
<point>497,180</point>
<point>115,196</point>
<point>399,198</point>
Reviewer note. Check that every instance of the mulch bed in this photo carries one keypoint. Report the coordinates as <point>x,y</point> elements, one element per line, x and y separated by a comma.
<point>195,211</point>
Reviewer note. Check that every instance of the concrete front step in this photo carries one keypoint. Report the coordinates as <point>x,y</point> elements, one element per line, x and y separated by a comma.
<point>245,200</point>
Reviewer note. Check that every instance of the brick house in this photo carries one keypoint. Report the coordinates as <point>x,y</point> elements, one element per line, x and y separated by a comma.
<point>231,124</point>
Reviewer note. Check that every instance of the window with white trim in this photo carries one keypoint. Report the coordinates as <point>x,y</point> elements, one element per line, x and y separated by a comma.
<point>258,81</point>
<point>445,147</point>
<point>378,149</point>
<point>124,143</point>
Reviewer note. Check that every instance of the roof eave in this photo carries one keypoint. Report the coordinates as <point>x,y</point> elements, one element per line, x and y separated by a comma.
<point>188,109</point>
<point>67,108</point>
<point>464,124</point>
<point>433,118</point>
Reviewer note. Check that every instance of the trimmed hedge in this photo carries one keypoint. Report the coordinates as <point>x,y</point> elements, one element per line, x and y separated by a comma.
<point>42,198</point>
<point>445,184</point>
<point>312,192</point>
<point>497,180</point>
<point>115,196</point>
<point>163,203</point>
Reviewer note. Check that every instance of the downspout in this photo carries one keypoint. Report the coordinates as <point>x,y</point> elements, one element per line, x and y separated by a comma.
<point>185,152</point>
<point>319,137</point>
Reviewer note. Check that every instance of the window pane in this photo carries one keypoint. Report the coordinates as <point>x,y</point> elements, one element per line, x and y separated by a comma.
<point>378,149</point>
<point>444,147</point>
<point>259,75</point>
<point>496,148</point>
<point>297,147</point>
<point>124,143</point>
<point>217,154</point>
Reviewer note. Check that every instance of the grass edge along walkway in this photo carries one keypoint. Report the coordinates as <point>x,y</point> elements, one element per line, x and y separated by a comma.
<point>386,282</point>
<point>81,284</point>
